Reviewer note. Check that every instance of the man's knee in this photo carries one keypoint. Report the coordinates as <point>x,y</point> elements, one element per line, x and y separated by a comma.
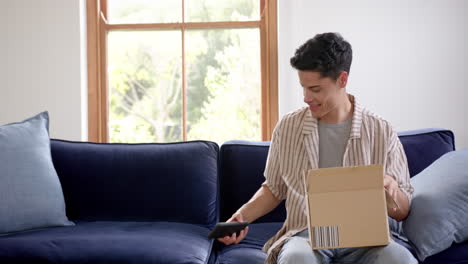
<point>297,251</point>
<point>394,253</point>
<point>296,256</point>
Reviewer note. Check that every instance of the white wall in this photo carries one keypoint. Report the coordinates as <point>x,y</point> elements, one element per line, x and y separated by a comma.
<point>410,61</point>
<point>41,64</point>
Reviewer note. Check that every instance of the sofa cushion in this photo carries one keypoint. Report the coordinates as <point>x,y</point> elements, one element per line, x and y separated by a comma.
<point>438,215</point>
<point>109,243</point>
<point>249,250</point>
<point>242,166</point>
<point>175,182</point>
<point>30,192</point>
<point>424,146</point>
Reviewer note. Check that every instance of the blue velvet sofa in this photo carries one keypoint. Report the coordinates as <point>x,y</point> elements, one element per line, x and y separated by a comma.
<point>156,203</point>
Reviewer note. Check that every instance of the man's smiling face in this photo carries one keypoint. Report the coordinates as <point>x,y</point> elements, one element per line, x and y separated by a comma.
<point>322,94</point>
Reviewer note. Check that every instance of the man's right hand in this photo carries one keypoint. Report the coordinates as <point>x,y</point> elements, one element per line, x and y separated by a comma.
<point>259,205</point>
<point>234,239</point>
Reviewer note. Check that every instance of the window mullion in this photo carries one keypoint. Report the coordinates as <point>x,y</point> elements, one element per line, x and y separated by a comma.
<point>184,82</point>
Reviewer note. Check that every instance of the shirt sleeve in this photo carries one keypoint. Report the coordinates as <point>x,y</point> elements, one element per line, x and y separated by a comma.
<point>273,177</point>
<point>397,165</point>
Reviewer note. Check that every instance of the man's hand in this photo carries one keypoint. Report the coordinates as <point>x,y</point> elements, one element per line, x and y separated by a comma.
<point>259,205</point>
<point>234,239</point>
<point>391,186</point>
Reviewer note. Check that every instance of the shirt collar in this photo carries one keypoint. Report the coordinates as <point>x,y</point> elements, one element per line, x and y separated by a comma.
<point>311,123</point>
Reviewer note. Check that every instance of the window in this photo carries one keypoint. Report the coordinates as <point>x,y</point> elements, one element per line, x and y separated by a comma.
<point>167,70</point>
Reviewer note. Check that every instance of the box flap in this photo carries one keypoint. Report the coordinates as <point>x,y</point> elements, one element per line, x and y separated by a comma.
<point>345,179</point>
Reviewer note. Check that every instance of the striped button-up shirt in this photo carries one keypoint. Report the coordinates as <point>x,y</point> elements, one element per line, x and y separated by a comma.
<point>294,149</point>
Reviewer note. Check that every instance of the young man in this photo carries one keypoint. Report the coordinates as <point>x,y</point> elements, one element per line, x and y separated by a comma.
<point>334,130</point>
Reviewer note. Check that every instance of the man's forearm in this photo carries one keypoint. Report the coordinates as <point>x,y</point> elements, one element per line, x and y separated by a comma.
<point>259,205</point>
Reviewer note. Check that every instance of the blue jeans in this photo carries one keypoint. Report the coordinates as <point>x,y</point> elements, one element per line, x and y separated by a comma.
<point>297,250</point>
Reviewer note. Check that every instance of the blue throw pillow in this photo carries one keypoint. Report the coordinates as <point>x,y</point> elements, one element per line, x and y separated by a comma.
<point>31,196</point>
<point>439,209</point>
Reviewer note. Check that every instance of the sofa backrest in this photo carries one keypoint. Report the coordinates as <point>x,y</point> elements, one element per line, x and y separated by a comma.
<point>243,163</point>
<point>424,146</point>
<point>175,182</point>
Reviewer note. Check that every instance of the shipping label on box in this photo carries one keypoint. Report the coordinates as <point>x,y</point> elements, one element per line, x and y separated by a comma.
<point>347,207</point>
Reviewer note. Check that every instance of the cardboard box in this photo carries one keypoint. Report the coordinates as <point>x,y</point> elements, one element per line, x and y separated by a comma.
<point>347,207</point>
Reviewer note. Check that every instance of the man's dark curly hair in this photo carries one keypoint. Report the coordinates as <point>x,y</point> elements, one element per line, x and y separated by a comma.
<point>327,53</point>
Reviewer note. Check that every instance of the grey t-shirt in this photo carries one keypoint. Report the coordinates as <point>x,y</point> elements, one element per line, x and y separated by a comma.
<point>333,139</point>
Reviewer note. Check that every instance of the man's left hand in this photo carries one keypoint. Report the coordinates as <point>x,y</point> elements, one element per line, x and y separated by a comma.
<point>391,186</point>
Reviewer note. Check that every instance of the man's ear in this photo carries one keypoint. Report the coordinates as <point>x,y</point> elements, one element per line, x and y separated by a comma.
<point>343,79</point>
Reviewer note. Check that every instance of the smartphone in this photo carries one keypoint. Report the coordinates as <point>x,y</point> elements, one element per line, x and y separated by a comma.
<point>223,229</point>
